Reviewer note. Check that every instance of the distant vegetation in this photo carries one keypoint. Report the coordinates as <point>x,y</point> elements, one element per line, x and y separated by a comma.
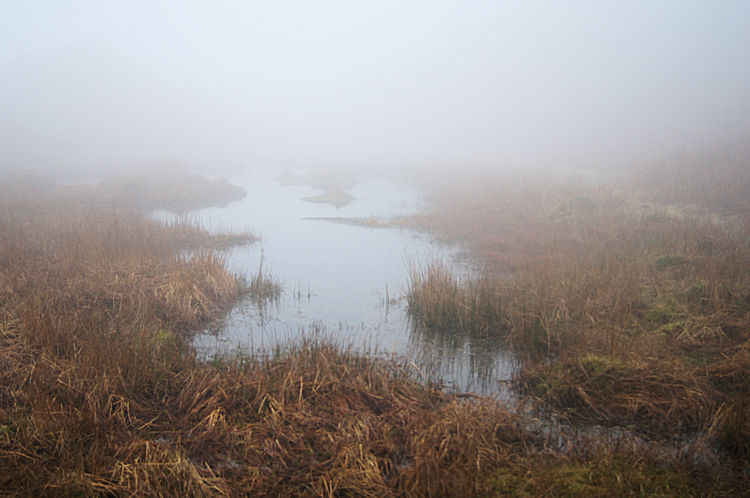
<point>326,180</point>
<point>177,193</point>
<point>369,222</point>
<point>335,198</point>
<point>332,184</point>
<point>714,180</point>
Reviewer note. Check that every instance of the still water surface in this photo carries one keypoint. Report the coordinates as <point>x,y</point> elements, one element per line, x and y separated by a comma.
<point>346,281</point>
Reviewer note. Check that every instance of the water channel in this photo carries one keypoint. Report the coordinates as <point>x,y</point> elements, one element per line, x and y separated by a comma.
<point>342,280</point>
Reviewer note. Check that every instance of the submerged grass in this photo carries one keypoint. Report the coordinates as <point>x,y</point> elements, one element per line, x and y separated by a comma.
<point>262,287</point>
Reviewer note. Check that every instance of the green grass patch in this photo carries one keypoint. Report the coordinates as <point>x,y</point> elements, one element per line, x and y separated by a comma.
<point>602,476</point>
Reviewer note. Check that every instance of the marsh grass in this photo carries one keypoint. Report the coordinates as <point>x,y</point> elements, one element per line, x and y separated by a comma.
<point>102,393</point>
<point>622,314</point>
<point>440,300</point>
<point>96,308</point>
<point>187,232</point>
<point>713,180</point>
<point>262,287</point>
<point>657,396</point>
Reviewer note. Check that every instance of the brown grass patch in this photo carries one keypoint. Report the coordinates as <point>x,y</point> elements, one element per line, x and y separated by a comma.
<point>659,396</point>
<point>440,300</point>
<point>623,312</point>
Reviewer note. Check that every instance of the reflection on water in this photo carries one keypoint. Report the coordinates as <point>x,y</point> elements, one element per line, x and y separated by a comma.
<point>463,362</point>
<point>346,280</point>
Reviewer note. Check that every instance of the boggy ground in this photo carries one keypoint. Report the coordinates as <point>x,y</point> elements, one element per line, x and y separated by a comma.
<point>102,393</point>
<point>629,305</point>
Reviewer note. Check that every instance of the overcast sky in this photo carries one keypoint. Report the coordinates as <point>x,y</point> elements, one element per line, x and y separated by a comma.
<point>393,83</point>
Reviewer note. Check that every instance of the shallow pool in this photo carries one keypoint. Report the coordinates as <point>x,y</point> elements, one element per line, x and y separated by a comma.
<point>342,280</point>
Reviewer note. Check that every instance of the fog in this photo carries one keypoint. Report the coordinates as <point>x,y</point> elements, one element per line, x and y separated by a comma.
<point>225,86</point>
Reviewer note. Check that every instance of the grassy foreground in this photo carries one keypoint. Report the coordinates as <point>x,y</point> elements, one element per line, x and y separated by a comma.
<point>102,394</point>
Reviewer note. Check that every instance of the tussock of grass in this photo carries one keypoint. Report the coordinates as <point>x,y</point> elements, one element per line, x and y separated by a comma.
<point>733,429</point>
<point>660,397</point>
<point>96,312</point>
<point>263,287</point>
<point>439,300</point>
<point>188,233</point>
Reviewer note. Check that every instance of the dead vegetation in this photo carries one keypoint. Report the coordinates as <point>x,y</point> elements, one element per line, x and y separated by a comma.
<point>440,299</point>
<point>624,312</point>
<point>102,393</point>
<point>96,310</point>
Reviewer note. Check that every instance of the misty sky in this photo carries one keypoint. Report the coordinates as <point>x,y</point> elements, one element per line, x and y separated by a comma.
<point>392,83</point>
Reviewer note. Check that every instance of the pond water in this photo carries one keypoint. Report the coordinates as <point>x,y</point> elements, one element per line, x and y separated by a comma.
<point>342,280</point>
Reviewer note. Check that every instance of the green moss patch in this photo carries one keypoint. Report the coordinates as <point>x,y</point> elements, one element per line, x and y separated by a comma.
<point>603,476</point>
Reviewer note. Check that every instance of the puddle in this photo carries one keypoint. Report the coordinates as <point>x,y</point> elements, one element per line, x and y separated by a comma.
<point>345,280</point>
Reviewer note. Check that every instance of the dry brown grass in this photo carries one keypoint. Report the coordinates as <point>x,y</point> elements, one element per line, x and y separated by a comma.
<point>625,313</point>
<point>262,287</point>
<point>102,393</point>
<point>660,396</point>
<point>439,299</point>
<point>95,312</point>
